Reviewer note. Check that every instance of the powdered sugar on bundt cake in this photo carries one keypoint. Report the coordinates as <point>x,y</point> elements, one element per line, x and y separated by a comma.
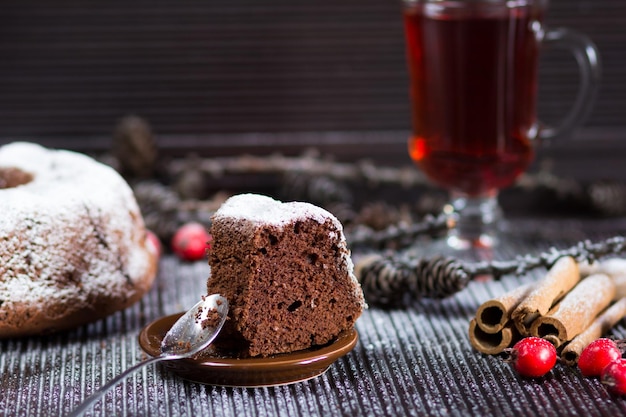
<point>287,273</point>
<point>73,245</point>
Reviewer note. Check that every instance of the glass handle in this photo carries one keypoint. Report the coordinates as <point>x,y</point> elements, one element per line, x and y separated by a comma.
<point>588,59</point>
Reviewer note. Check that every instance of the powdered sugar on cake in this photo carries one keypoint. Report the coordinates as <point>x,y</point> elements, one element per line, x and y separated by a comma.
<point>262,209</point>
<point>72,233</point>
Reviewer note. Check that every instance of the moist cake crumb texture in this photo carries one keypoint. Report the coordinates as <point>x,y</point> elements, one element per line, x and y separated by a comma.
<point>287,273</point>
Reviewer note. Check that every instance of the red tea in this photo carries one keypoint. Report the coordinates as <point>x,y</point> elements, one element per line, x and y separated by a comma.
<point>473,92</point>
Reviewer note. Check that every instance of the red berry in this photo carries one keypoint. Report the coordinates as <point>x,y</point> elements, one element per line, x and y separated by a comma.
<point>153,240</point>
<point>191,242</point>
<point>614,376</point>
<point>597,355</point>
<point>532,357</point>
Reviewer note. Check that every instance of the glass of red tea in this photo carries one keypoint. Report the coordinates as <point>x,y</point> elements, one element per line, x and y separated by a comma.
<point>473,67</point>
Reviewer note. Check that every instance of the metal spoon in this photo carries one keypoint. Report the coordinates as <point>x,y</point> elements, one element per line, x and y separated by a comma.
<point>187,337</point>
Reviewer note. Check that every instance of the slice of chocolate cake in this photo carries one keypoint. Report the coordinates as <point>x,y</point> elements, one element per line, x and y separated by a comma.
<point>286,272</point>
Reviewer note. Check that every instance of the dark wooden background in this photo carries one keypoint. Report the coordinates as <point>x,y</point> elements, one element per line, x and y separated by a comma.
<point>233,76</point>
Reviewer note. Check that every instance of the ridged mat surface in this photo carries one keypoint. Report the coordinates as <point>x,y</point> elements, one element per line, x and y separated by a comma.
<point>411,361</point>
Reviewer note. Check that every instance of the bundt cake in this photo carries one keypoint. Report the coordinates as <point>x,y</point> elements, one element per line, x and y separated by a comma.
<point>73,245</point>
<point>286,272</point>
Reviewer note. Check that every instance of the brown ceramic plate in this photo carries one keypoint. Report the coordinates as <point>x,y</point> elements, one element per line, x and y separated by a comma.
<point>251,372</point>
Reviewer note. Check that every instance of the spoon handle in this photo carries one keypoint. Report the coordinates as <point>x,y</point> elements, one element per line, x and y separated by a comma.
<point>103,389</point>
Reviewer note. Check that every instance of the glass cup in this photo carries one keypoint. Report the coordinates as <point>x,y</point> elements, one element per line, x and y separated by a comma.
<point>473,68</point>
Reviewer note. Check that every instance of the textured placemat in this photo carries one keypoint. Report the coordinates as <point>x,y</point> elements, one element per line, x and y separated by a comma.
<point>411,361</point>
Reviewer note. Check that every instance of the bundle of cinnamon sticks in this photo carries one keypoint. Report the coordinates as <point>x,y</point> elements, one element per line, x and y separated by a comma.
<point>571,306</point>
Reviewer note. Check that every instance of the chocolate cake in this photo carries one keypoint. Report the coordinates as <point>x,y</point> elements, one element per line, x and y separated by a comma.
<point>286,272</point>
<point>73,244</point>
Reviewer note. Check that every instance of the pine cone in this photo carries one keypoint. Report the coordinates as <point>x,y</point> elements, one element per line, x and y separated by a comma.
<point>159,206</point>
<point>134,147</point>
<point>386,281</point>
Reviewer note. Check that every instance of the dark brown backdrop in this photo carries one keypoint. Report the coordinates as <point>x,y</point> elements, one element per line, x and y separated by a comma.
<point>227,76</point>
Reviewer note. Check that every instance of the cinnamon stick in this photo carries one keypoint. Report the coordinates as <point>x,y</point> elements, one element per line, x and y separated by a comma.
<point>559,280</point>
<point>494,314</point>
<point>585,268</point>
<point>620,286</point>
<point>600,326</point>
<point>616,269</point>
<point>576,311</point>
<point>613,267</point>
<point>491,343</point>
